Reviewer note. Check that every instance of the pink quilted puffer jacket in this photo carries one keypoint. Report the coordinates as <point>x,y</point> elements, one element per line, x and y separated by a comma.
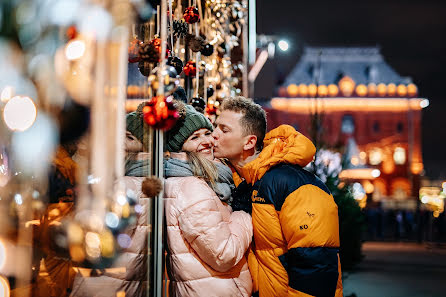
<point>206,240</point>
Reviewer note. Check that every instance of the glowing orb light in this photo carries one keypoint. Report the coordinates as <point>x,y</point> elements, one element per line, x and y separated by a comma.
<point>19,113</point>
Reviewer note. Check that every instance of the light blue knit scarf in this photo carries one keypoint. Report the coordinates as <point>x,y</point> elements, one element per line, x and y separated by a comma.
<point>224,185</point>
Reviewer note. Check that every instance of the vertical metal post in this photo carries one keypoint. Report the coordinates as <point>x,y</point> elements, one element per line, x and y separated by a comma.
<point>245,46</point>
<point>252,31</point>
<point>158,250</point>
<point>252,42</point>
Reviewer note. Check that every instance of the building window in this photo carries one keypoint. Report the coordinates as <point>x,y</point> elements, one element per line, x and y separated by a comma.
<point>376,127</point>
<point>348,125</point>
<point>399,127</point>
<point>375,156</point>
<point>399,156</point>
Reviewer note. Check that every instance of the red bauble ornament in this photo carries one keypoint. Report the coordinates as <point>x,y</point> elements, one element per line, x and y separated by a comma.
<point>71,32</point>
<point>160,113</point>
<point>191,15</point>
<point>190,69</point>
<point>211,109</point>
<point>133,50</point>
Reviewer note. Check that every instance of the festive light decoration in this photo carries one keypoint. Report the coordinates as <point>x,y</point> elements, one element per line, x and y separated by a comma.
<point>312,90</point>
<point>391,89</point>
<point>333,90</point>
<point>361,90</point>
<point>347,86</point>
<point>401,90</point>
<point>322,91</point>
<point>160,113</point>
<point>381,90</point>
<point>191,15</point>
<point>303,90</point>
<point>372,89</point>
<point>293,90</point>
<point>412,90</point>
<point>190,69</point>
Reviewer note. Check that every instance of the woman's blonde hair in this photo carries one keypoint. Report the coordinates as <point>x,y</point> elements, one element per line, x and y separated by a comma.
<point>203,168</point>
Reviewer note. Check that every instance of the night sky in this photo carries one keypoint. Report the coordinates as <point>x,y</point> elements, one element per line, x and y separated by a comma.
<point>411,34</point>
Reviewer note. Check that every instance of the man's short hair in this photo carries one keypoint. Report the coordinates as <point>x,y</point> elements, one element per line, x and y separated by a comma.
<point>254,117</point>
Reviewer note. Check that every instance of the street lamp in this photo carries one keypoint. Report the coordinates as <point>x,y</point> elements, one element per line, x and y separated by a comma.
<point>266,45</point>
<point>283,45</point>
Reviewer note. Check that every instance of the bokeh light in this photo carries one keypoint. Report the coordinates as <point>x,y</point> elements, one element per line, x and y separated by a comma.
<point>283,45</point>
<point>124,240</point>
<point>7,93</point>
<point>92,244</point>
<point>376,173</point>
<point>34,148</point>
<point>63,12</point>
<point>112,220</point>
<point>18,199</point>
<point>19,113</point>
<point>75,49</point>
<point>5,290</point>
<point>424,103</point>
<point>2,255</point>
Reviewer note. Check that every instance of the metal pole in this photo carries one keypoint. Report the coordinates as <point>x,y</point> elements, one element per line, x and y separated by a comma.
<point>158,250</point>
<point>252,41</point>
<point>252,31</point>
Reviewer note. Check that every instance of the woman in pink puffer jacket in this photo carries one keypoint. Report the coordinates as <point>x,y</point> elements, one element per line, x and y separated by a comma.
<point>206,240</point>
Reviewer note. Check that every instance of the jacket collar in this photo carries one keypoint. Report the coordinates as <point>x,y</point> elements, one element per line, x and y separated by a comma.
<point>281,145</point>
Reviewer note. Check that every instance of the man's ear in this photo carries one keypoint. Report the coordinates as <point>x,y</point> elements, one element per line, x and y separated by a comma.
<point>250,142</point>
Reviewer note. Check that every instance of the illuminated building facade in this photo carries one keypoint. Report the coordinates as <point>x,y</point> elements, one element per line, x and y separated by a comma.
<point>358,95</point>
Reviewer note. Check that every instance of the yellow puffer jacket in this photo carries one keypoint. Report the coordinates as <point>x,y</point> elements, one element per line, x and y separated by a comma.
<point>295,221</point>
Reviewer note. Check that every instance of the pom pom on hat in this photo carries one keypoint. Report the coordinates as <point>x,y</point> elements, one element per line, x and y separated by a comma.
<point>151,186</point>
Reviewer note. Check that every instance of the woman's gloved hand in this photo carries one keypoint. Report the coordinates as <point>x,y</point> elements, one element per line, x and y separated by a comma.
<point>241,197</point>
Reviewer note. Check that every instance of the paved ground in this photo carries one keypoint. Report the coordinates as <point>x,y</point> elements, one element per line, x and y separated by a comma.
<point>399,270</point>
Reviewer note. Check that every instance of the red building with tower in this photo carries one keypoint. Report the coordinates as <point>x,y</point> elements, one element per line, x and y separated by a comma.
<point>354,94</point>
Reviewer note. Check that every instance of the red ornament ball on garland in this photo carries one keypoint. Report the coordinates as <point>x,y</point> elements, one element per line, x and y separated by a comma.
<point>211,109</point>
<point>133,50</point>
<point>71,32</point>
<point>191,15</point>
<point>190,69</point>
<point>160,113</point>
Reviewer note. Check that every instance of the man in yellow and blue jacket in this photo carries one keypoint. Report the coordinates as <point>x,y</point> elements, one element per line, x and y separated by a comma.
<point>295,219</point>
